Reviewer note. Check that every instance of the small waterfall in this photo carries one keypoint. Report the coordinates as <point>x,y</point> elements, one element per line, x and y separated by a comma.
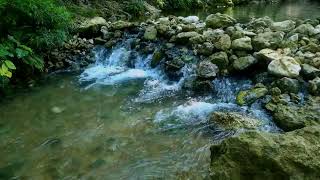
<point>123,64</point>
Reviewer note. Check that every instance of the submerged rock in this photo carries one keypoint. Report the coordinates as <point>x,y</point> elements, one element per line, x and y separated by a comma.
<point>233,121</point>
<point>219,21</point>
<point>250,96</point>
<point>285,66</point>
<point>258,155</point>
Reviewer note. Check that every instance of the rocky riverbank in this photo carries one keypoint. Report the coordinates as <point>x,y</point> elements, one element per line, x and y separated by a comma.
<point>283,59</point>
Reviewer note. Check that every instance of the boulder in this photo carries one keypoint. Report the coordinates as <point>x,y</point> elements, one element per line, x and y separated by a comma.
<point>190,19</point>
<point>150,33</point>
<point>285,26</point>
<point>233,121</point>
<point>207,70</point>
<point>261,155</point>
<point>304,29</point>
<point>157,56</point>
<point>220,59</point>
<point>184,37</point>
<point>92,27</point>
<point>243,63</point>
<point>260,23</point>
<point>309,72</point>
<point>222,42</point>
<point>290,116</point>
<point>219,21</point>
<point>121,25</point>
<point>268,55</point>
<point>288,85</point>
<point>242,44</point>
<point>248,97</point>
<point>314,86</point>
<point>267,40</point>
<point>205,48</point>
<point>285,66</point>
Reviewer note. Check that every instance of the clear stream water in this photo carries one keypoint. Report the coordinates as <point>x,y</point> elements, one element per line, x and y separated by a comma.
<point>119,119</point>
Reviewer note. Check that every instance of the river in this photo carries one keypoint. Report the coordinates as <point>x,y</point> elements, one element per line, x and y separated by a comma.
<point>119,119</point>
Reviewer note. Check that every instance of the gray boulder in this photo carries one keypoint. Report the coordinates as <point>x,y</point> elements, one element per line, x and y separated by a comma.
<point>243,63</point>
<point>285,66</point>
<point>219,21</point>
<point>242,44</point>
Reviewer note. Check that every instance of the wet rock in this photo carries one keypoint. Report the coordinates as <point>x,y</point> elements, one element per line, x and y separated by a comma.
<point>205,48</point>
<point>242,44</point>
<point>158,55</point>
<point>201,86</point>
<point>250,96</point>
<point>309,72</point>
<point>222,42</point>
<point>314,86</point>
<point>243,63</point>
<point>258,155</point>
<point>199,39</point>
<point>150,33</point>
<point>219,21</point>
<point>285,26</point>
<point>185,36</point>
<point>207,70</point>
<point>286,66</point>
<point>288,85</point>
<point>267,40</point>
<point>290,116</point>
<point>220,59</point>
<point>233,121</point>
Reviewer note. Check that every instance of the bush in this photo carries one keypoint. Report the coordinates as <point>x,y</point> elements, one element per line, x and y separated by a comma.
<point>135,7</point>
<point>27,29</point>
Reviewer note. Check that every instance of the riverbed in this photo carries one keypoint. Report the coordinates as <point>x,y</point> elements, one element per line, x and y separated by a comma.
<point>121,119</point>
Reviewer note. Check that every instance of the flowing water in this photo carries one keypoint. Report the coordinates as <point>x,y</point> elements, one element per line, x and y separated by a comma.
<point>119,119</point>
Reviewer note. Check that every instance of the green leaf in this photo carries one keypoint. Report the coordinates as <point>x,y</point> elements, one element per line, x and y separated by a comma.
<point>10,64</point>
<point>25,48</point>
<point>5,71</point>
<point>4,52</point>
<point>21,53</point>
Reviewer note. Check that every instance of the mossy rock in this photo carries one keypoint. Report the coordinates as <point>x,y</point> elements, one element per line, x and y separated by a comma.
<point>257,155</point>
<point>250,96</point>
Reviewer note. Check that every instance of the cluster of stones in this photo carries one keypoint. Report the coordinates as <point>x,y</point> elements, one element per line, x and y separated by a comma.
<point>283,59</point>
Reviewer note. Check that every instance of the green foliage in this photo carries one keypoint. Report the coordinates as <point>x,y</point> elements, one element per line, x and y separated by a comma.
<point>135,7</point>
<point>182,4</point>
<point>12,51</point>
<point>29,28</point>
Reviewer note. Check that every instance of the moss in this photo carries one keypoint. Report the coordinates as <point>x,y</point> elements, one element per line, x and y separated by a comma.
<point>250,96</point>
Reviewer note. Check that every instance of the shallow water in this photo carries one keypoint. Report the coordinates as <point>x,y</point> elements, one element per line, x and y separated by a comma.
<point>278,11</point>
<point>119,119</point>
<point>122,119</point>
